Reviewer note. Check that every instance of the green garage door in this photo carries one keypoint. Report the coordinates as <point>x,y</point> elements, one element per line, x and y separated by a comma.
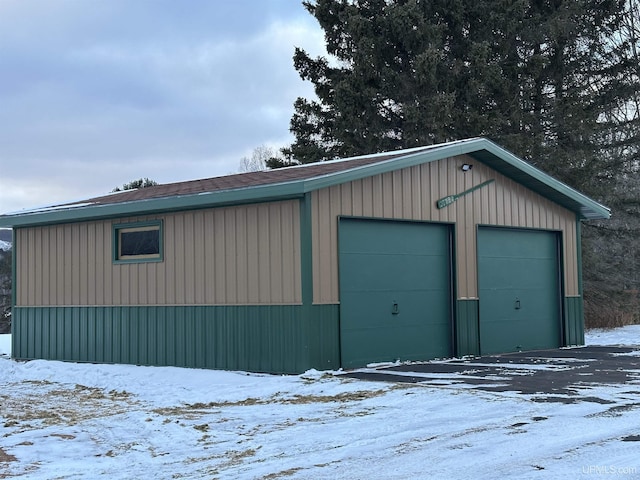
<point>519,290</point>
<point>395,291</point>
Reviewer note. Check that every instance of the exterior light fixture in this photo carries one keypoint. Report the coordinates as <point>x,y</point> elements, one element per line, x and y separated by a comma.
<point>466,167</point>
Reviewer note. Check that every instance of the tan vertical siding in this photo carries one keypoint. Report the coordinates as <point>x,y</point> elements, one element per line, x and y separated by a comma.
<point>226,256</point>
<point>91,266</point>
<point>412,194</point>
<point>209,260</point>
<point>262,271</point>
<point>251,254</point>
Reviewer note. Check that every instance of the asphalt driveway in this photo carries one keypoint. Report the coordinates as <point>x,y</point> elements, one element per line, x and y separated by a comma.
<point>557,375</point>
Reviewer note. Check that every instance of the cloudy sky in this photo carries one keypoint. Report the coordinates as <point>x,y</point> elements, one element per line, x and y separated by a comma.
<point>95,93</point>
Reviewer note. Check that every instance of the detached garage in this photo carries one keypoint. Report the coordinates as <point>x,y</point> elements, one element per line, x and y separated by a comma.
<point>447,250</point>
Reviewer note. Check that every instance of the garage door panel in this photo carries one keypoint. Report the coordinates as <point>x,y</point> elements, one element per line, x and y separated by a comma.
<point>366,311</point>
<point>532,273</point>
<point>519,290</point>
<point>369,237</point>
<point>410,346</point>
<point>387,263</point>
<point>529,243</point>
<point>517,336</point>
<point>517,303</point>
<point>375,334</point>
<point>400,271</point>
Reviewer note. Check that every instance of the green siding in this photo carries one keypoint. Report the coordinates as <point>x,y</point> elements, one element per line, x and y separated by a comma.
<point>574,306</point>
<point>574,321</point>
<point>324,332</point>
<point>467,328</point>
<point>278,339</point>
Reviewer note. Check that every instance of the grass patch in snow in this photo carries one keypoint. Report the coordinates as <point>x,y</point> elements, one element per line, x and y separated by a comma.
<point>56,404</point>
<point>297,399</point>
<point>5,457</point>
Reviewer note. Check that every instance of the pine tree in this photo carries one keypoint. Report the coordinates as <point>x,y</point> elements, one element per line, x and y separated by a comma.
<point>135,184</point>
<point>537,76</point>
<point>555,81</point>
<point>402,74</point>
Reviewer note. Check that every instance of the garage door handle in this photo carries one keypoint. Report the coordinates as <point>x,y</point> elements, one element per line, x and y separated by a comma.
<point>517,304</point>
<point>395,310</point>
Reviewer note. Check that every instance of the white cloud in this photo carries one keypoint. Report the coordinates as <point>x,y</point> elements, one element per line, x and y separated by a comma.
<point>168,90</point>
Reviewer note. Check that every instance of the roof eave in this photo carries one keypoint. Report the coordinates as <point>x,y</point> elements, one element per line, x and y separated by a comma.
<point>479,148</point>
<point>263,193</point>
<point>513,167</point>
<point>411,159</point>
<point>489,153</point>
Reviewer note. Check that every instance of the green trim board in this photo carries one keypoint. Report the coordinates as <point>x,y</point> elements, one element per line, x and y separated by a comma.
<point>574,306</point>
<point>479,148</point>
<point>275,339</point>
<point>526,174</point>
<point>573,321</point>
<point>579,255</point>
<point>14,270</point>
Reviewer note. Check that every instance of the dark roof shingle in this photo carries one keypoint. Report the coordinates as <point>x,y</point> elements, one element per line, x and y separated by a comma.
<point>293,182</point>
<point>239,180</point>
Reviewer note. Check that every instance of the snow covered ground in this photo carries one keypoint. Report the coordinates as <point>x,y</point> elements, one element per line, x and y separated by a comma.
<point>77,421</point>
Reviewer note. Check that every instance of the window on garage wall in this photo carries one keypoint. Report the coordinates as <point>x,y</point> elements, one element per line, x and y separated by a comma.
<point>138,242</point>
